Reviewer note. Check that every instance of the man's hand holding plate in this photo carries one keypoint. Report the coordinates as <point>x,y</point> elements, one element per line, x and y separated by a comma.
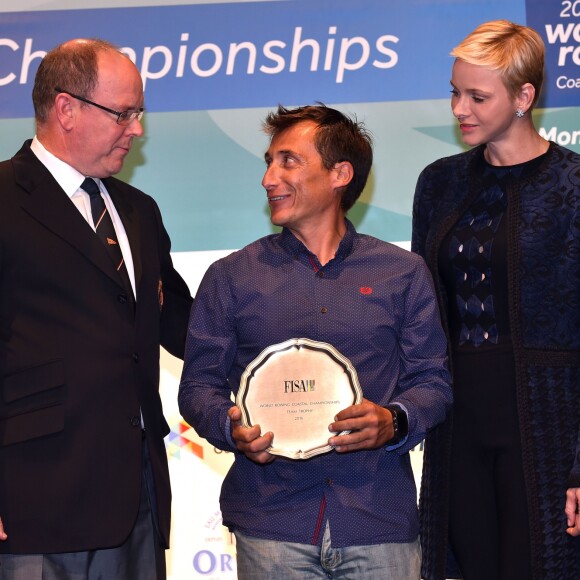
<point>370,426</point>
<point>249,440</point>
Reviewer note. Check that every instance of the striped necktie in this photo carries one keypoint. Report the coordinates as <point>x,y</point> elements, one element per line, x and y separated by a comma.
<point>106,232</point>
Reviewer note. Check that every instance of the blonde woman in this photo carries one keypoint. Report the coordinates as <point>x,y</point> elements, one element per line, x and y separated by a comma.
<point>499,227</point>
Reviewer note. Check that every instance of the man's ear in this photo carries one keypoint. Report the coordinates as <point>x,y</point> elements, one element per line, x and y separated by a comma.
<point>344,173</point>
<point>65,110</point>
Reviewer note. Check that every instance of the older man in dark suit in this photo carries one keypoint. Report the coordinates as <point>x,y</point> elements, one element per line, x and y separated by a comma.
<point>88,293</point>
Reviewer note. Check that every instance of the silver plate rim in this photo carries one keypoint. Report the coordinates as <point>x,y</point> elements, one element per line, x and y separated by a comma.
<point>261,359</point>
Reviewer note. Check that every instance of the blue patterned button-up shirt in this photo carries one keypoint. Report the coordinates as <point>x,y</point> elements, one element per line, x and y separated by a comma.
<point>375,303</point>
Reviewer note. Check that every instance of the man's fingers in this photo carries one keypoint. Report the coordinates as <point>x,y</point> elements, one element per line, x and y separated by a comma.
<point>3,535</point>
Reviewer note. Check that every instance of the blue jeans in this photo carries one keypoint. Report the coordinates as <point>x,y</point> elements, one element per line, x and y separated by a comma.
<point>260,559</point>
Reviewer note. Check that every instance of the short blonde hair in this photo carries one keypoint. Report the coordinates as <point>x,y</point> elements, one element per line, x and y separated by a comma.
<point>515,51</point>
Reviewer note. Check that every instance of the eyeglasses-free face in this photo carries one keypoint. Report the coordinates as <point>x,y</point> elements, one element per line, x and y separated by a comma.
<point>124,118</point>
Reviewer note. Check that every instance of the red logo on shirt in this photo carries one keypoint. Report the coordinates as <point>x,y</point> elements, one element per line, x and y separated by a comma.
<point>366,290</point>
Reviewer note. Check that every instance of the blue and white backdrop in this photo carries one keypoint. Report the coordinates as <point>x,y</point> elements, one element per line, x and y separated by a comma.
<point>211,71</point>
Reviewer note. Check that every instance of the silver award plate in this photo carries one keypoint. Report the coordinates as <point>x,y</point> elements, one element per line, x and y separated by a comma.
<point>294,389</point>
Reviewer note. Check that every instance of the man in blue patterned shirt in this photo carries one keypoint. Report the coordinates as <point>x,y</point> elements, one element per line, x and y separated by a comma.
<point>351,512</point>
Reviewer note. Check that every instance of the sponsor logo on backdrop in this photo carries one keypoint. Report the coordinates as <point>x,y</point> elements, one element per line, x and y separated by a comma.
<point>182,438</point>
<point>558,21</point>
<point>218,555</point>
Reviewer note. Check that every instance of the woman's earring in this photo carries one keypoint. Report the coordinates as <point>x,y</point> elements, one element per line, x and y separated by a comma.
<point>520,113</point>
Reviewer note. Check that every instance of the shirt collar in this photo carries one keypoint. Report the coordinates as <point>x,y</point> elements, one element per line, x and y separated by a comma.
<point>66,176</point>
<point>293,245</point>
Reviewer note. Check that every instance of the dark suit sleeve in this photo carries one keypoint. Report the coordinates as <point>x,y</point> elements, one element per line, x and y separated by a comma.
<point>174,295</point>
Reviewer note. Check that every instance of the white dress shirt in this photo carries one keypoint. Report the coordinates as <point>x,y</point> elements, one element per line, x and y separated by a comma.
<point>70,181</point>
